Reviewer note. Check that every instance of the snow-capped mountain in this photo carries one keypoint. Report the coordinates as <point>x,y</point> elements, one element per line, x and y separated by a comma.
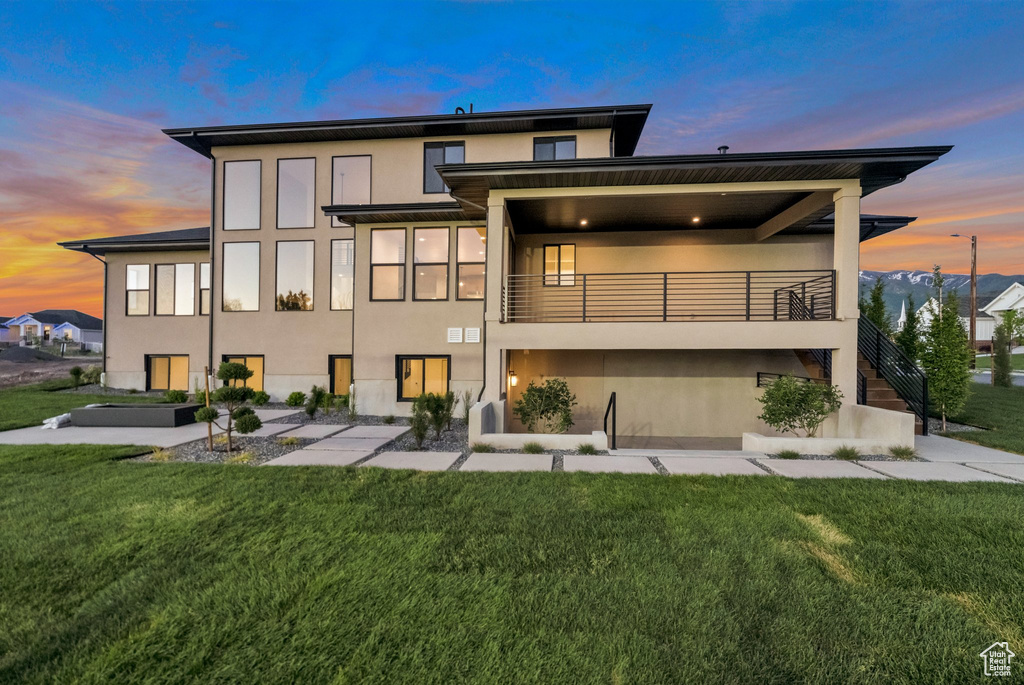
<point>901,283</point>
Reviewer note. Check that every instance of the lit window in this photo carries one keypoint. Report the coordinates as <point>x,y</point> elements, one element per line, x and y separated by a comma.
<point>254,364</point>
<point>430,264</point>
<point>560,264</point>
<point>294,275</point>
<point>241,195</point>
<point>471,254</point>
<point>387,264</point>
<point>167,372</point>
<point>350,183</point>
<point>137,290</point>
<point>435,154</point>
<point>296,179</point>
<point>241,277</point>
<point>418,375</point>
<point>342,273</point>
<point>341,373</point>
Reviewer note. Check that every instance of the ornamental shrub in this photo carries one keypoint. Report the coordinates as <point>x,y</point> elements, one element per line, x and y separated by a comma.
<point>546,408</point>
<point>176,396</point>
<point>789,405</point>
<point>296,399</point>
<point>232,397</point>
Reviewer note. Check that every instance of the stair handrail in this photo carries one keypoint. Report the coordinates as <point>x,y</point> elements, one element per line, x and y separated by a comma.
<point>896,368</point>
<point>611,408</point>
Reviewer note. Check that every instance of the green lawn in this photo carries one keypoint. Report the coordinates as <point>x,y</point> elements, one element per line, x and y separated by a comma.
<point>29,405</point>
<point>126,572</point>
<point>1016,362</point>
<point>1001,410</point>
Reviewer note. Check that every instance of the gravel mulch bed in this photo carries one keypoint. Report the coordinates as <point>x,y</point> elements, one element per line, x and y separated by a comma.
<point>862,457</point>
<point>336,417</point>
<point>261,450</point>
<point>935,426</point>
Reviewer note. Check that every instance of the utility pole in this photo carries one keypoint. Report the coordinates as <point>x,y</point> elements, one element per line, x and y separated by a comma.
<point>974,298</point>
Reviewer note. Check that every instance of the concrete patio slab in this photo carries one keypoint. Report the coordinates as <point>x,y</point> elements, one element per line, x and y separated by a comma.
<point>89,435</point>
<point>1015,471</point>
<point>508,462</point>
<point>314,430</point>
<point>809,468</point>
<point>713,466</point>
<point>308,457</point>
<point>919,470</point>
<point>420,461</point>
<point>703,454</point>
<point>272,429</point>
<point>274,414</point>
<point>939,448</point>
<point>343,442</point>
<point>389,432</point>
<point>609,464</point>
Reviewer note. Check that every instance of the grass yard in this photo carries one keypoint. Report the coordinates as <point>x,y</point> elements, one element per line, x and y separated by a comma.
<point>1001,410</point>
<point>129,572</point>
<point>29,405</point>
<point>1016,362</point>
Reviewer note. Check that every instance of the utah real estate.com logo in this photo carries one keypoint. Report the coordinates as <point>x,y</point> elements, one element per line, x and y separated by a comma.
<point>997,659</point>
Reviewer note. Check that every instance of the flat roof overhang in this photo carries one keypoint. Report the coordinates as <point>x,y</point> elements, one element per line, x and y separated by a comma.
<point>625,121</point>
<point>160,241</point>
<point>396,213</point>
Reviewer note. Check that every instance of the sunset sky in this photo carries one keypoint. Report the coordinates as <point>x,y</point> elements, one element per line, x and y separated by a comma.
<point>86,88</point>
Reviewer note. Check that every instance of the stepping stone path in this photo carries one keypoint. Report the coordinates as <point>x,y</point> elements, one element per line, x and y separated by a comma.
<point>389,432</point>
<point>420,461</point>
<point>271,429</point>
<point>800,468</point>
<point>602,464</point>
<point>1009,470</point>
<point>314,430</point>
<point>344,442</point>
<point>480,461</point>
<point>924,470</point>
<point>715,466</point>
<point>308,457</point>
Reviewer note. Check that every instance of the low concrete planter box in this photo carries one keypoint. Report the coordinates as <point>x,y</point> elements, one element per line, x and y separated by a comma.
<point>136,415</point>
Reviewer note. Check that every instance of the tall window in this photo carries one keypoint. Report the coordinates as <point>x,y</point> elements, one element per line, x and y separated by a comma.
<point>430,264</point>
<point>471,255</point>
<point>295,275</point>
<point>341,373</point>
<point>204,288</point>
<point>555,147</point>
<point>560,264</point>
<point>240,289</point>
<point>350,183</point>
<point>418,375</point>
<point>440,153</point>
<point>166,372</point>
<point>254,364</point>
<point>175,289</point>
<point>241,195</point>
<point>137,290</point>
<point>387,264</point>
<point>296,180</point>
<point>342,273</point>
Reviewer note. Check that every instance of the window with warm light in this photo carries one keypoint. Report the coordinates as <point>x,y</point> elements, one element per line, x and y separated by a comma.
<point>252,362</point>
<point>341,373</point>
<point>422,374</point>
<point>470,262</point>
<point>430,264</point>
<point>560,264</point>
<point>167,372</point>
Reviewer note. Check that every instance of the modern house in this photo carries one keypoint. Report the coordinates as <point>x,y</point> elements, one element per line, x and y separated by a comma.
<point>484,251</point>
<point>55,325</point>
<point>987,317</point>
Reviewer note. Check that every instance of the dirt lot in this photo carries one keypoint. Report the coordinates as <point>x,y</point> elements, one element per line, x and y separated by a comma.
<point>25,373</point>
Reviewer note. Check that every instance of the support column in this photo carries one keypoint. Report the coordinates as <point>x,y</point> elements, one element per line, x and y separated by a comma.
<point>493,357</point>
<point>846,262</point>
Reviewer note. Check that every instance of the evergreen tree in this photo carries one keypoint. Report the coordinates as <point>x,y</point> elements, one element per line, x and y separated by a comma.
<point>875,310</point>
<point>908,338</point>
<point>1001,357</point>
<point>946,356</point>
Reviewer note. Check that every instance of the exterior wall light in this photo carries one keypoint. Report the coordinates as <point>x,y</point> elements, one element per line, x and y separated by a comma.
<point>513,379</point>
<point>583,222</point>
<point>696,219</point>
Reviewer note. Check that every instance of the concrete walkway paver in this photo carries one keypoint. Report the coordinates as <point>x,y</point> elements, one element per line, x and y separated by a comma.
<point>714,466</point>
<point>507,462</point>
<point>420,461</point>
<point>939,448</point>
<point>271,429</point>
<point>1015,471</point>
<point>389,432</point>
<point>314,430</point>
<point>703,454</point>
<point>809,468</point>
<point>343,442</point>
<point>919,470</point>
<point>308,457</point>
<point>609,464</point>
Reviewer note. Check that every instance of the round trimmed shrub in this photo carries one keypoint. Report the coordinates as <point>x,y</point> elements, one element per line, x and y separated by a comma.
<point>259,398</point>
<point>296,399</point>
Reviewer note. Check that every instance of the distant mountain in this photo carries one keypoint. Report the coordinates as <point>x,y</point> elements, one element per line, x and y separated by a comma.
<point>919,284</point>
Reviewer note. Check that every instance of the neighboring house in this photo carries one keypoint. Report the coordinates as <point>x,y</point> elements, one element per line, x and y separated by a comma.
<point>5,332</point>
<point>52,325</point>
<point>483,251</point>
<point>984,321</point>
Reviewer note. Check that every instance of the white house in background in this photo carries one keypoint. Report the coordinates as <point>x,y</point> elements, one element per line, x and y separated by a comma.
<point>989,313</point>
<point>5,332</point>
<point>1010,299</point>
<point>51,325</point>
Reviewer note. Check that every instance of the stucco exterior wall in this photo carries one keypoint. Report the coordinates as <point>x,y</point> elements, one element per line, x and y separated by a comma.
<point>131,338</point>
<point>705,393</point>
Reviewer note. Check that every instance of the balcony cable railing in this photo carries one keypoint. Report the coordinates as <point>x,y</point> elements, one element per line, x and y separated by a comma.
<point>670,296</point>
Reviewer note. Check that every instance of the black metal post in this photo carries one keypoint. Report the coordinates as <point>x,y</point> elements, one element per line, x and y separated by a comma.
<point>664,296</point>
<point>584,298</point>
<point>748,296</point>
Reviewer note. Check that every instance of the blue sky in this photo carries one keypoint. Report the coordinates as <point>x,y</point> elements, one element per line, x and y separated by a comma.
<point>85,88</point>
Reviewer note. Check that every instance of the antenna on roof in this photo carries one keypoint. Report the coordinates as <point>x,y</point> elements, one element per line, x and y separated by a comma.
<point>722,149</point>
<point>460,110</point>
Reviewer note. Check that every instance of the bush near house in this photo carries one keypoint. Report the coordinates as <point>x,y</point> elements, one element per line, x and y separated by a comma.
<point>175,396</point>
<point>233,398</point>
<point>295,399</point>
<point>790,405</point>
<point>546,408</point>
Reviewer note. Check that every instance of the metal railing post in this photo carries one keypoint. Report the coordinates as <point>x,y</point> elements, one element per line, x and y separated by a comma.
<point>748,296</point>
<point>664,296</point>
<point>584,319</point>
